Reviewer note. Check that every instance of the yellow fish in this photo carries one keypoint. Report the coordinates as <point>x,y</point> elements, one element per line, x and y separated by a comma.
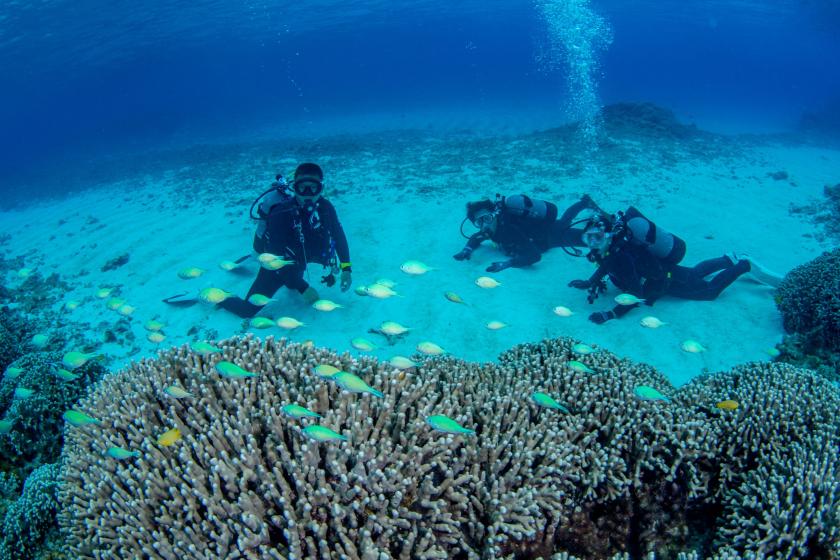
<point>627,299</point>
<point>430,349</point>
<point>114,303</point>
<point>495,325</point>
<point>228,265</point>
<point>72,305</point>
<point>415,268</point>
<point>25,272</point>
<point>401,362</point>
<point>288,323</point>
<point>104,293</point>
<point>487,282</point>
<point>326,305</point>
<point>169,437</point>
<point>154,326</point>
<point>264,258</point>
<point>259,299</point>
<point>728,404</point>
<point>651,322</point>
<point>692,346</point>
<point>126,310</point>
<point>213,295</point>
<point>380,291</point>
<point>262,323</point>
<point>156,337</point>
<point>177,393</point>
<point>276,264</point>
<point>360,290</point>
<point>453,297</point>
<point>363,344</point>
<point>386,282</point>
<point>73,360</point>
<point>190,273</point>
<point>392,328</point>
<point>563,311</point>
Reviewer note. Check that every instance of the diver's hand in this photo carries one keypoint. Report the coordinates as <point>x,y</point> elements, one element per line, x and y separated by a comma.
<point>601,317</point>
<point>580,284</point>
<point>346,280</point>
<point>463,254</point>
<point>497,266</point>
<point>310,295</point>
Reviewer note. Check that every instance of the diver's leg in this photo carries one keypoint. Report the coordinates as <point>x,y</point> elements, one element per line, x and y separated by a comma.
<point>710,266</point>
<point>266,283</point>
<point>696,288</point>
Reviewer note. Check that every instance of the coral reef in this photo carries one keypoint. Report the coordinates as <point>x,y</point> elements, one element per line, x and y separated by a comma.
<point>809,300</point>
<point>37,426</point>
<point>29,519</point>
<point>616,476</point>
<point>9,347</point>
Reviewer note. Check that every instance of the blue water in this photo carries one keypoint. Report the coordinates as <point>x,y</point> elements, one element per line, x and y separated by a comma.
<point>82,80</point>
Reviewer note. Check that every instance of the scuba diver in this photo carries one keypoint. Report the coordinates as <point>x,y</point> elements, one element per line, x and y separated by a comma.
<point>523,228</point>
<point>297,226</point>
<point>302,227</point>
<point>643,260</point>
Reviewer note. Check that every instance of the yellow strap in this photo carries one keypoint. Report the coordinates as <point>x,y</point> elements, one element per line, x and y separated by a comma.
<point>345,265</point>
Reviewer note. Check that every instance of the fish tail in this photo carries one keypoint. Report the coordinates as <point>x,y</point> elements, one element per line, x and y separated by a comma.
<point>376,393</point>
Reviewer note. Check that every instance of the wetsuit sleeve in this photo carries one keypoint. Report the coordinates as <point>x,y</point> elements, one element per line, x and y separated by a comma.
<point>476,239</point>
<point>622,310</point>
<point>330,217</point>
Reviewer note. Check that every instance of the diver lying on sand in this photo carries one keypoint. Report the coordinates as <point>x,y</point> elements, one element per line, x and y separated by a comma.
<point>642,260</point>
<point>523,228</point>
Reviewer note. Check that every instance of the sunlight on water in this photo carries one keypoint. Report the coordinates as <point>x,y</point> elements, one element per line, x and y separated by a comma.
<point>577,35</point>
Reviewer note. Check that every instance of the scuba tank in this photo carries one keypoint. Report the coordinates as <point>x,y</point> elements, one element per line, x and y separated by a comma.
<point>278,197</point>
<point>528,208</point>
<point>663,245</point>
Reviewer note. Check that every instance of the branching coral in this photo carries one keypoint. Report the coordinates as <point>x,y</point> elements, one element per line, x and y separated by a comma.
<point>32,516</point>
<point>35,436</point>
<point>617,475</point>
<point>809,299</point>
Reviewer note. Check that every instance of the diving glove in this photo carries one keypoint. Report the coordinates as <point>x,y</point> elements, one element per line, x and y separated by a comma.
<point>463,254</point>
<point>346,279</point>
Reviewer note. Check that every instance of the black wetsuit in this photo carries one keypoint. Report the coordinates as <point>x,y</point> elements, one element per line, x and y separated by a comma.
<point>633,270</point>
<point>524,238</point>
<point>287,225</point>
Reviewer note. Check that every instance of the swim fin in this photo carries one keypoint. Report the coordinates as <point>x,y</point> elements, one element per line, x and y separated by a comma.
<point>181,300</point>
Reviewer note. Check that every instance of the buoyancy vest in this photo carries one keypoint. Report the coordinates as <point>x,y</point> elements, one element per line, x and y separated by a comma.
<point>523,206</point>
<point>276,200</point>
<point>663,245</point>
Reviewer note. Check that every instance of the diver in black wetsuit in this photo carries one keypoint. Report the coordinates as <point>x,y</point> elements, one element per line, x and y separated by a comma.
<point>304,229</point>
<point>643,260</point>
<point>523,228</point>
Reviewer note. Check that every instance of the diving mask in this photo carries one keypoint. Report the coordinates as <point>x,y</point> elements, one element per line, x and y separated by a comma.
<point>484,221</point>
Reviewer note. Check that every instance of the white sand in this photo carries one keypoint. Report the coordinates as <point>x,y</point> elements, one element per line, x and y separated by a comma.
<point>731,205</point>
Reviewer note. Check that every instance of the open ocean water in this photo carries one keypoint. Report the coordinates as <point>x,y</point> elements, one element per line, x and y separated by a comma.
<point>548,279</point>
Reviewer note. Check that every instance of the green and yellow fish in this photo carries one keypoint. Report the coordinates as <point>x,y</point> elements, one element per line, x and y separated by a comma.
<point>579,366</point>
<point>65,375</point>
<point>447,425</point>
<point>326,305</point>
<point>154,325</point>
<point>76,418</point>
<point>22,393</point>
<point>319,433</point>
<point>204,348</point>
<point>545,401</point>
<point>430,349</point>
<point>262,323</point>
<point>289,323</point>
<point>5,426</point>
<point>121,454</point>
<point>297,412</point>
<point>190,273</point>
<point>213,295</point>
<point>259,300</point>
<point>233,371</point>
<point>453,297</point>
<point>326,370</point>
<point>13,372</point>
<point>156,337</point>
<point>40,340</point>
<point>354,384</point>
<point>177,393</point>
<point>728,404</point>
<point>415,268</point>
<point>401,362</point>
<point>73,360</point>
<point>363,344</point>
<point>649,394</point>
